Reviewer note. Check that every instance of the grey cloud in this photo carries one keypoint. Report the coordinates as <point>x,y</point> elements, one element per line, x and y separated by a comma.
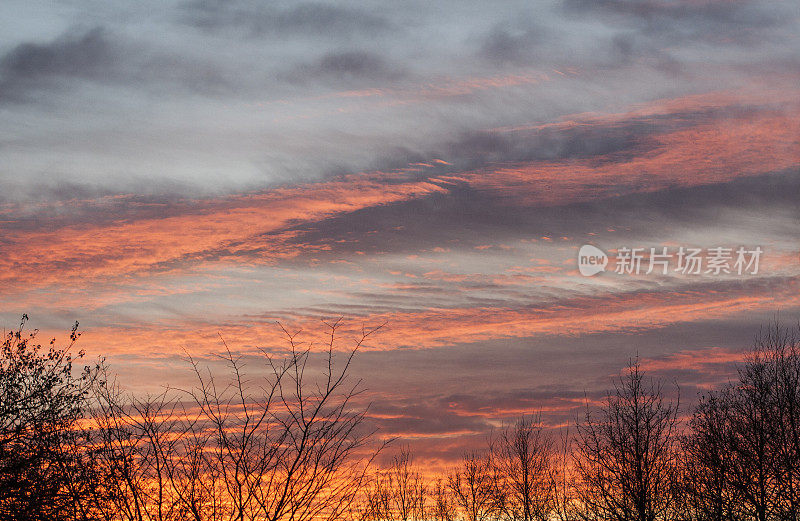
<point>603,142</point>
<point>663,35</point>
<point>347,67</point>
<point>97,55</point>
<point>723,23</point>
<point>81,204</point>
<point>263,129</point>
<point>73,55</point>
<point>625,49</point>
<point>258,19</point>
<point>720,14</point>
<point>482,148</point>
<point>516,44</point>
<point>477,149</point>
<point>465,217</point>
<point>418,417</point>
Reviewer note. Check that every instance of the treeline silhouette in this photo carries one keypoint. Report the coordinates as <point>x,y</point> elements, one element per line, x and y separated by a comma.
<point>295,446</point>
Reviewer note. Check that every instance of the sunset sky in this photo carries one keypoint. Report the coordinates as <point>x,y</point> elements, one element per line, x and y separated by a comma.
<point>172,172</point>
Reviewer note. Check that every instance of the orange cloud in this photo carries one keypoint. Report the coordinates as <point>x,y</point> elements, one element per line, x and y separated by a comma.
<point>703,154</point>
<point>255,228</point>
<point>695,360</point>
<point>219,228</point>
<point>432,327</point>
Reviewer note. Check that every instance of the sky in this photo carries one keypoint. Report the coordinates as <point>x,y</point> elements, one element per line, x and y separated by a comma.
<point>173,172</point>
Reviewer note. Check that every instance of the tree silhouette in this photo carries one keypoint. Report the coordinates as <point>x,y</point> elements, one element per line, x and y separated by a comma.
<point>399,492</point>
<point>473,485</point>
<point>291,448</point>
<point>522,460</point>
<point>743,450</point>
<point>626,458</point>
<point>43,470</point>
<point>706,467</point>
<point>442,505</point>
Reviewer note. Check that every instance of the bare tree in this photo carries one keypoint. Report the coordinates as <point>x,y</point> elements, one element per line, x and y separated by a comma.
<point>743,450</point>
<point>293,448</point>
<point>566,503</point>
<point>474,487</point>
<point>752,469</point>
<point>780,348</point>
<point>522,458</point>
<point>706,467</point>
<point>398,494</point>
<point>626,459</point>
<point>139,442</point>
<point>442,506</point>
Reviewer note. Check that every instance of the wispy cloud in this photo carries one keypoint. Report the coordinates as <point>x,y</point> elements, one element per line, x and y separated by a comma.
<point>176,171</point>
